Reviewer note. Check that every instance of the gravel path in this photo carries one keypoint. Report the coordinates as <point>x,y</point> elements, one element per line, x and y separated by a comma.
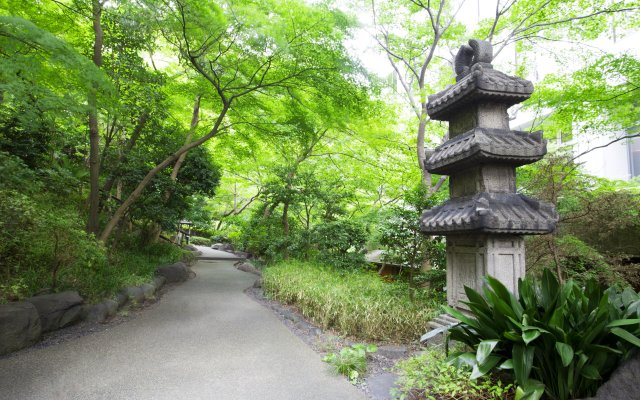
<point>205,340</point>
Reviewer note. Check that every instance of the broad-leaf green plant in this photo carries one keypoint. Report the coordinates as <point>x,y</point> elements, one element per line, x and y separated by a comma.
<point>562,340</point>
<point>351,361</point>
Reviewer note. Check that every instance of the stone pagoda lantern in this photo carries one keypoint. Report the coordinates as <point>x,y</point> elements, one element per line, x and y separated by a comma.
<point>485,219</point>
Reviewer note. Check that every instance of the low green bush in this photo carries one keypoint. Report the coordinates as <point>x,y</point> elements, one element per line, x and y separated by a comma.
<point>340,243</point>
<point>44,246</point>
<point>429,376</point>
<point>44,249</point>
<point>130,266</point>
<point>562,340</point>
<point>351,361</point>
<point>199,241</point>
<point>356,303</point>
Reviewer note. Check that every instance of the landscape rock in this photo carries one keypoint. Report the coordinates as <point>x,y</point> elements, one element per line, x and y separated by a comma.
<point>148,290</point>
<point>58,310</point>
<point>222,247</point>
<point>290,316</point>
<point>246,267</point>
<point>258,283</point>
<point>112,307</point>
<point>134,294</point>
<point>242,254</point>
<point>624,381</point>
<point>101,312</point>
<point>191,247</point>
<point>178,272</point>
<point>392,352</point>
<point>19,326</point>
<point>98,313</point>
<point>158,282</point>
<point>121,298</point>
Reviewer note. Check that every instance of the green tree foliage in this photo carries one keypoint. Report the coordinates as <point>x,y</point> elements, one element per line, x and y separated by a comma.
<point>340,243</point>
<point>598,223</point>
<point>420,39</point>
<point>579,100</point>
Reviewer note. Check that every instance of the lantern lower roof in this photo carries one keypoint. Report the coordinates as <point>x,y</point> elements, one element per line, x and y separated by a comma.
<point>482,83</point>
<point>507,213</point>
<point>484,145</point>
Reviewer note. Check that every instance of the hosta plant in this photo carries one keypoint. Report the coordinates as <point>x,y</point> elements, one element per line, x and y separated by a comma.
<point>558,340</point>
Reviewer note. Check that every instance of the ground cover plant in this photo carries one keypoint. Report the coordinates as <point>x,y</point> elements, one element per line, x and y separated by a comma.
<point>429,375</point>
<point>354,302</point>
<point>351,361</point>
<point>561,340</point>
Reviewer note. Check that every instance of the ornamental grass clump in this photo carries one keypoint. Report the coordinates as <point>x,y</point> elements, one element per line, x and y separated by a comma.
<point>561,340</point>
<point>354,302</point>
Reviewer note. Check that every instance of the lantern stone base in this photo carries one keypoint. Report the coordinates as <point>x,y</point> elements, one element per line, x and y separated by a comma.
<point>471,257</point>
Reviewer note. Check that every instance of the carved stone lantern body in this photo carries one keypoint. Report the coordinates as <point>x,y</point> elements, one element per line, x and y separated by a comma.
<point>484,219</point>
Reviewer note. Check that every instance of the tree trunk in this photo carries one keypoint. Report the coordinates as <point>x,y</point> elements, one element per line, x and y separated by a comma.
<point>194,124</point>
<point>426,176</point>
<point>137,131</point>
<point>156,229</point>
<point>93,221</point>
<point>137,192</point>
<point>285,229</point>
<point>285,220</point>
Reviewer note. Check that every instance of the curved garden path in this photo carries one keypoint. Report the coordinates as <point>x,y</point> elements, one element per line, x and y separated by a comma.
<point>205,339</point>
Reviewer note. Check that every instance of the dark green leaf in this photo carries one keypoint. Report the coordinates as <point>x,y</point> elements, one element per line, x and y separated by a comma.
<point>566,353</point>
<point>629,337</point>
<point>484,350</point>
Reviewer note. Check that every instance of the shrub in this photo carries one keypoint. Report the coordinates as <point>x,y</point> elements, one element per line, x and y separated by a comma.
<point>576,259</point>
<point>351,361</point>
<point>356,302</point>
<point>47,249</point>
<point>429,376</point>
<point>435,278</point>
<point>341,243</point>
<point>200,241</point>
<point>42,247</point>
<point>262,235</point>
<point>562,340</point>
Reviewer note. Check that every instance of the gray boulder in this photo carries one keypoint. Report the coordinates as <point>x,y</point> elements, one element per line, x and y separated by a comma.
<point>19,326</point>
<point>134,294</point>
<point>148,290</point>
<point>222,246</point>
<point>258,283</point>
<point>98,313</point>
<point>178,272</point>
<point>242,254</point>
<point>121,298</point>
<point>111,306</point>
<point>58,310</point>
<point>101,312</point>
<point>624,383</point>
<point>247,267</point>
<point>158,282</point>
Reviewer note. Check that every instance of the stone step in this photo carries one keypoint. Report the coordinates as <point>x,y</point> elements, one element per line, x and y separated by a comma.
<point>438,327</point>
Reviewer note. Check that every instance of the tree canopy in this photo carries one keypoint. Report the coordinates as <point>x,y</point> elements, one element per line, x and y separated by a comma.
<point>257,117</point>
